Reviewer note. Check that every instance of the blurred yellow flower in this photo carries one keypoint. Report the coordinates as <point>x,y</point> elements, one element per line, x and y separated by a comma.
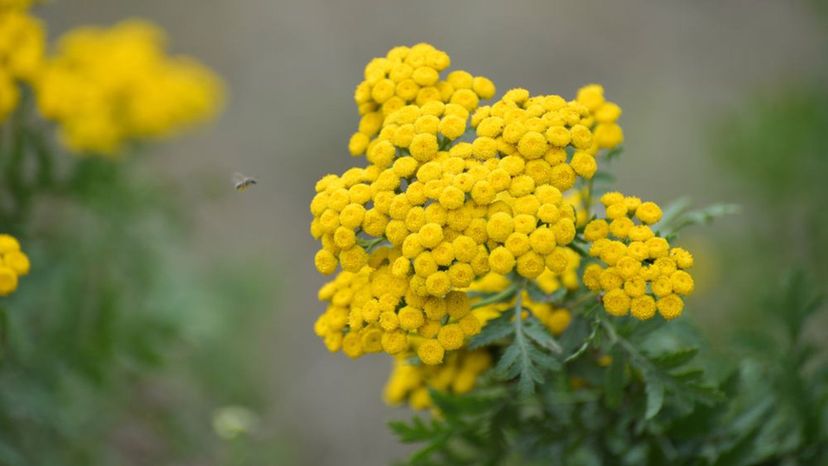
<point>458,374</point>
<point>106,87</point>
<point>22,40</point>
<point>13,264</point>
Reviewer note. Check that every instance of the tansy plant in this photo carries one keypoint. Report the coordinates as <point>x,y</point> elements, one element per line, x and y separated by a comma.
<point>479,247</point>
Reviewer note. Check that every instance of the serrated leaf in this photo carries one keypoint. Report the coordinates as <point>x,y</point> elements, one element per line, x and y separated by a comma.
<point>673,210</point>
<point>452,405</point>
<point>675,358</point>
<point>524,360</point>
<point>541,335</point>
<point>496,329</point>
<point>504,367</point>
<point>676,218</point>
<point>655,396</point>
<point>415,431</point>
<point>540,357</point>
<point>526,382</point>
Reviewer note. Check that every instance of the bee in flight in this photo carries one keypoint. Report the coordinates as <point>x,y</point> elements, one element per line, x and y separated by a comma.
<point>242,182</point>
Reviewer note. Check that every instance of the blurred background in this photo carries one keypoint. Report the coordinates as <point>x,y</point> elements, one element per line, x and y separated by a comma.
<point>723,101</point>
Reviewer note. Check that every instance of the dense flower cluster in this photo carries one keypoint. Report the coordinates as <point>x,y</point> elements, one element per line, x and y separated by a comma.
<point>107,87</point>
<point>22,41</point>
<point>373,310</point>
<point>13,264</point>
<point>458,374</point>
<point>453,191</point>
<point>641,273</point>
<point>462,209</point>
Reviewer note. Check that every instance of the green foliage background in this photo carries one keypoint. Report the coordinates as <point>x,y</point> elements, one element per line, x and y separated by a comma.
<point>118,347</point>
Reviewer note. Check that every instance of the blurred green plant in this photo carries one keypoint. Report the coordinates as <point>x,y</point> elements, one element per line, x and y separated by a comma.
<point>115,349</point>
<point>114,312</point>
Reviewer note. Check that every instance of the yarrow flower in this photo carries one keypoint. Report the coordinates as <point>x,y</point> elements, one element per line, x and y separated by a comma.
<point>457,198</point>
<point>13,264</point>
<point>108,87</point>
<point>638,272</point>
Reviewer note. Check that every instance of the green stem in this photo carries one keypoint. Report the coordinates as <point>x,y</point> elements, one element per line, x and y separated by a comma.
<point>4,332</point>
<point>20,193</point>
<point>596,324</point>
<point>575,247</point>
<point>585,299</point>
<point>370,244</point>
<point>45,172</point>
<point>497,297</point>
<point>519,308</point>
<point>588,200</point>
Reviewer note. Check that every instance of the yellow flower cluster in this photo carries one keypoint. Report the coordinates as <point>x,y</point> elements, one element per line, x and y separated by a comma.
<point>411,76</point>
<point>458,374</point>
<point>22,41</point>
<point>373,310</point>
<point>642,273</point>
<point>108,87</point>
<point>13,264</point>
<point>556,140</point>
<point>448,206</point>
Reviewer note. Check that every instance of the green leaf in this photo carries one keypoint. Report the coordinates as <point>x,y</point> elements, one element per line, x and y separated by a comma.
<point>688,375</point>
<point>659,380</point>
<point>614,153</point>
<point>416,431</point>
<point>496,329</point>
<point>673,210</point>
<point>655,395</point>
<point>676,217</point>
<point>453,406</point>
<point>675,358</point>
<point>507,367</point>
<point>522,358</point>
<point>540,335</point>
<point>704,394</point>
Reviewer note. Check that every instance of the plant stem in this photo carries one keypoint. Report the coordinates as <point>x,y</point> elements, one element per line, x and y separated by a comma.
<point>588,197</point>
<point>519,308</point>
<point>596,324</point>
<point>497,297</point>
